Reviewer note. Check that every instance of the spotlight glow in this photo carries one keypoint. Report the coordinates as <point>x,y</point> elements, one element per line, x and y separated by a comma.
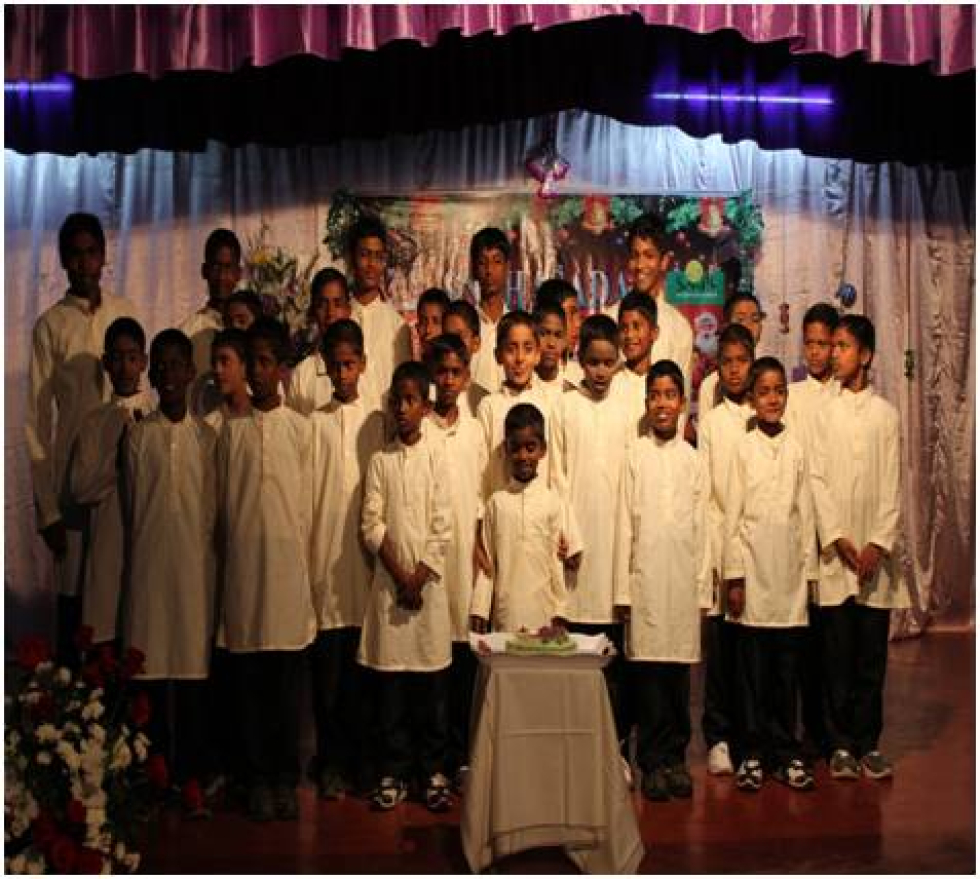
<point>705,97</point>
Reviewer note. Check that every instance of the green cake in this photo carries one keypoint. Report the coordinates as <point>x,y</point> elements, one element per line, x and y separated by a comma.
<point>547,643</point>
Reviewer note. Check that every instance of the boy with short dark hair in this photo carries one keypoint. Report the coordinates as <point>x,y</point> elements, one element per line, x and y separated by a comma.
<point>638,333</point>
<point>489,265</point>
<point>95,474</point>
<point>169,594</point>
<point>556,291</point>
<point>463,320</point>
<point>264,467</point>
<point>550,322</point>
<point>743,309</point>
<point>429,312</point>
<point>242,309</point>
<point>228,364</point>
<point>406,523</point>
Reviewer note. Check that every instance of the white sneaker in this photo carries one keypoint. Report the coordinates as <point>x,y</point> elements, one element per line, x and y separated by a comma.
<point>719,760</point>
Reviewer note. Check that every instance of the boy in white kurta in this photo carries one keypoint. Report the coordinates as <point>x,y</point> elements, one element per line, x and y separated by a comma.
<point>530,536</point>
<point>461,319</point>
<point>489,266</point>
<point>346,434</point>
<point>264,469</point>
<point>168,602</point>
<point>559,293</point>
<point>858,498</point>
<point>745,310</point>
<point>466,459</point>
<point>662,579</point>
<point>770,566</point>
<point>95,472</point>
<point>550,372</point>
<point>309,385</point>
<point>637,333</point>
<point>718,436</point>
<point>406,522</point>
<point>65,378</point>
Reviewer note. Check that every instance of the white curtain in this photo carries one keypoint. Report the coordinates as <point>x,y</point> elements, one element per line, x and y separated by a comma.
<point>903,236</point>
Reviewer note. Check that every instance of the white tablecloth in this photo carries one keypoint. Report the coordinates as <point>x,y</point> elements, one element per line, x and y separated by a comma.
<point>545,766</point>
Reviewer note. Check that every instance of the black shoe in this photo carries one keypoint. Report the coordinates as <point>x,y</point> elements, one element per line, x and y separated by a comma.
<point>330,785</point>
<point>679,781</point>
<point>286,803</point>
<point>655,786</point>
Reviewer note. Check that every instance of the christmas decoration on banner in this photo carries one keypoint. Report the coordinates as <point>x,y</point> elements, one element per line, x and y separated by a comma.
<point>545,164</point>
<point>847,294</point>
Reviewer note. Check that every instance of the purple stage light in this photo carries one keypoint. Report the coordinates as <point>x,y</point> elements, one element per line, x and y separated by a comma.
<point>705,97</point>
<point>52,87</point>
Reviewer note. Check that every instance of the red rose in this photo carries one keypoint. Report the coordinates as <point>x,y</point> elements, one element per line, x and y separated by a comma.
<point>107,658</point>
<point>156,771</point>
<point>89,862</point>
<point>132,662</point>
<point>44,830</point>
<point>92,674</point>
<point>139,709</point>
<point>192,796</point>
<point>32,651</point>
<point>76,812</point>
<point>83,638</point>
<point>64,854</point>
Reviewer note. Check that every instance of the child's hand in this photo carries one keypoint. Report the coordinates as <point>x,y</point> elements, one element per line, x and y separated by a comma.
<point>622,612</point>
<point>562,547</point>
<point>848,552</point>
<point>479,625</point>
<point>736,598</point>
<point>868,561</point>
<point>573,563</point>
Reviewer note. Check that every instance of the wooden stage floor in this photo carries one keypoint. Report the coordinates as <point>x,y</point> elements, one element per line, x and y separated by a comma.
<point>923,821</point>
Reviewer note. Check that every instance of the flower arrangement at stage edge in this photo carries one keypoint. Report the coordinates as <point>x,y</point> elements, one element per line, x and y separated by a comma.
<point>276,276</point>
<point>79,779</point>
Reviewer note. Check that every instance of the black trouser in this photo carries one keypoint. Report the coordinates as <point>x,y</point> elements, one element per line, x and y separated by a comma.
<point>855,654</point>
<point>719,721</point>
<point>661,695</point>
<point>68,621</point>
<point>343,704</point>
<point>177,727</point>
<point>224,739</point>
<point>414,723</point>
<point>768,686</point>
<point>812,685</point>
<point>462,678</point>
<point>267,693</point>
<point>615,675</point>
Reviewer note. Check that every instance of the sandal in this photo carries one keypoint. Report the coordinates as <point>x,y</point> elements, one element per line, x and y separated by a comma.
<point>437,795</point>
<point>749,775</point>
<point>390,792</point>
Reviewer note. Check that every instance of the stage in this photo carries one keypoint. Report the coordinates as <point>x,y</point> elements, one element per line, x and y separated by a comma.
<point>923,821</point>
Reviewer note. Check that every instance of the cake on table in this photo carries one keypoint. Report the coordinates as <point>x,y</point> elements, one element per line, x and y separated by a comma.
<point>548,640</point>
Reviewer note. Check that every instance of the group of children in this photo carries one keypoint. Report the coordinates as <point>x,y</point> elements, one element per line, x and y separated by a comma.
<point>369,511</point>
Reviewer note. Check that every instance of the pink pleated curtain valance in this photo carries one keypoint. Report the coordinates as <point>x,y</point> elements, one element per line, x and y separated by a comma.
<point>99,41</point>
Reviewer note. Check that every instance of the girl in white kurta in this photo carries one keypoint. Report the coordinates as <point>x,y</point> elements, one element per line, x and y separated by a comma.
<point>857,488</point>
<point>662,579</point>
<point>769,566</point>
<point>346,433</point>
<point>169,593</point>
<point>718,435</point>
<point>406,522</point>
<point>264,469</point>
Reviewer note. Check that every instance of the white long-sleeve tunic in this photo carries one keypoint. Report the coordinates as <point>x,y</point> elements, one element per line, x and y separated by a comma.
<point>169,595</point>
<point>201,327</point>
<point>720,432</point>
<point>662,558</point>
<point>769,528</point>
<point>675,340</point>
<point>806,403</point>
<point>345,436</point>
<point>589,437</point>
<point>857,491</point>
<point>66,377</point>
<point>406,498</point>
<point>94,478</point>
<point>522,526</point>
<point>387,343</point>
<point>310,387</point>
<point>466,461</point>
<point>265,479</point>
<point>485,370</point>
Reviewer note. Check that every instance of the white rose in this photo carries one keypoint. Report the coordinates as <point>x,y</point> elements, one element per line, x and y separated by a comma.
<point>44,758</point>
<point>121,756</point>
<point>97,732</point>
<point>63,676</point>
<point>47,732</point>
<point>92,711</point>
<point>68,753</point>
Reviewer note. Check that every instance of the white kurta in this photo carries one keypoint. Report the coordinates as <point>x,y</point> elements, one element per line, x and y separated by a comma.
<point>662,557</point>
<point>807,400</point>
<point>309,385</point>
<point>201,328</point>
<point>769,527</point>
<point>675,341</point>
<point>720,433</point>
<point>522,526</point>
<point>169,595</point>
<point>387,343</point>
<point>265,479</point>
<point>66,376</point>
<point>707,391</point>
<point>491,414</point>
<point>94,478</point>
<point>406,498</point>
<point>345,436</point>
<point>632,388</point>
<point>485,370</point>
<point>588,443</point>
<point>466,461</point>
<point>857,490</point>
<point>469,400</point>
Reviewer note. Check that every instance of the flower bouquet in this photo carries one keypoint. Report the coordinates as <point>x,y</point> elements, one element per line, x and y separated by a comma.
<point>79,779</point>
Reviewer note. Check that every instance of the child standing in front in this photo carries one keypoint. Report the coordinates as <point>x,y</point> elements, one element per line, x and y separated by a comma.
<point>770,566</point>
<point>264,469</point>
<point>858,498</point>
<point>407,524</point>
<point>530,537</point>
<point>662,578</point>
<point>466,460</point>
<point>346,433</point>
<point>721,430</point>
<point>169,595</point>
<point>95,474</point>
